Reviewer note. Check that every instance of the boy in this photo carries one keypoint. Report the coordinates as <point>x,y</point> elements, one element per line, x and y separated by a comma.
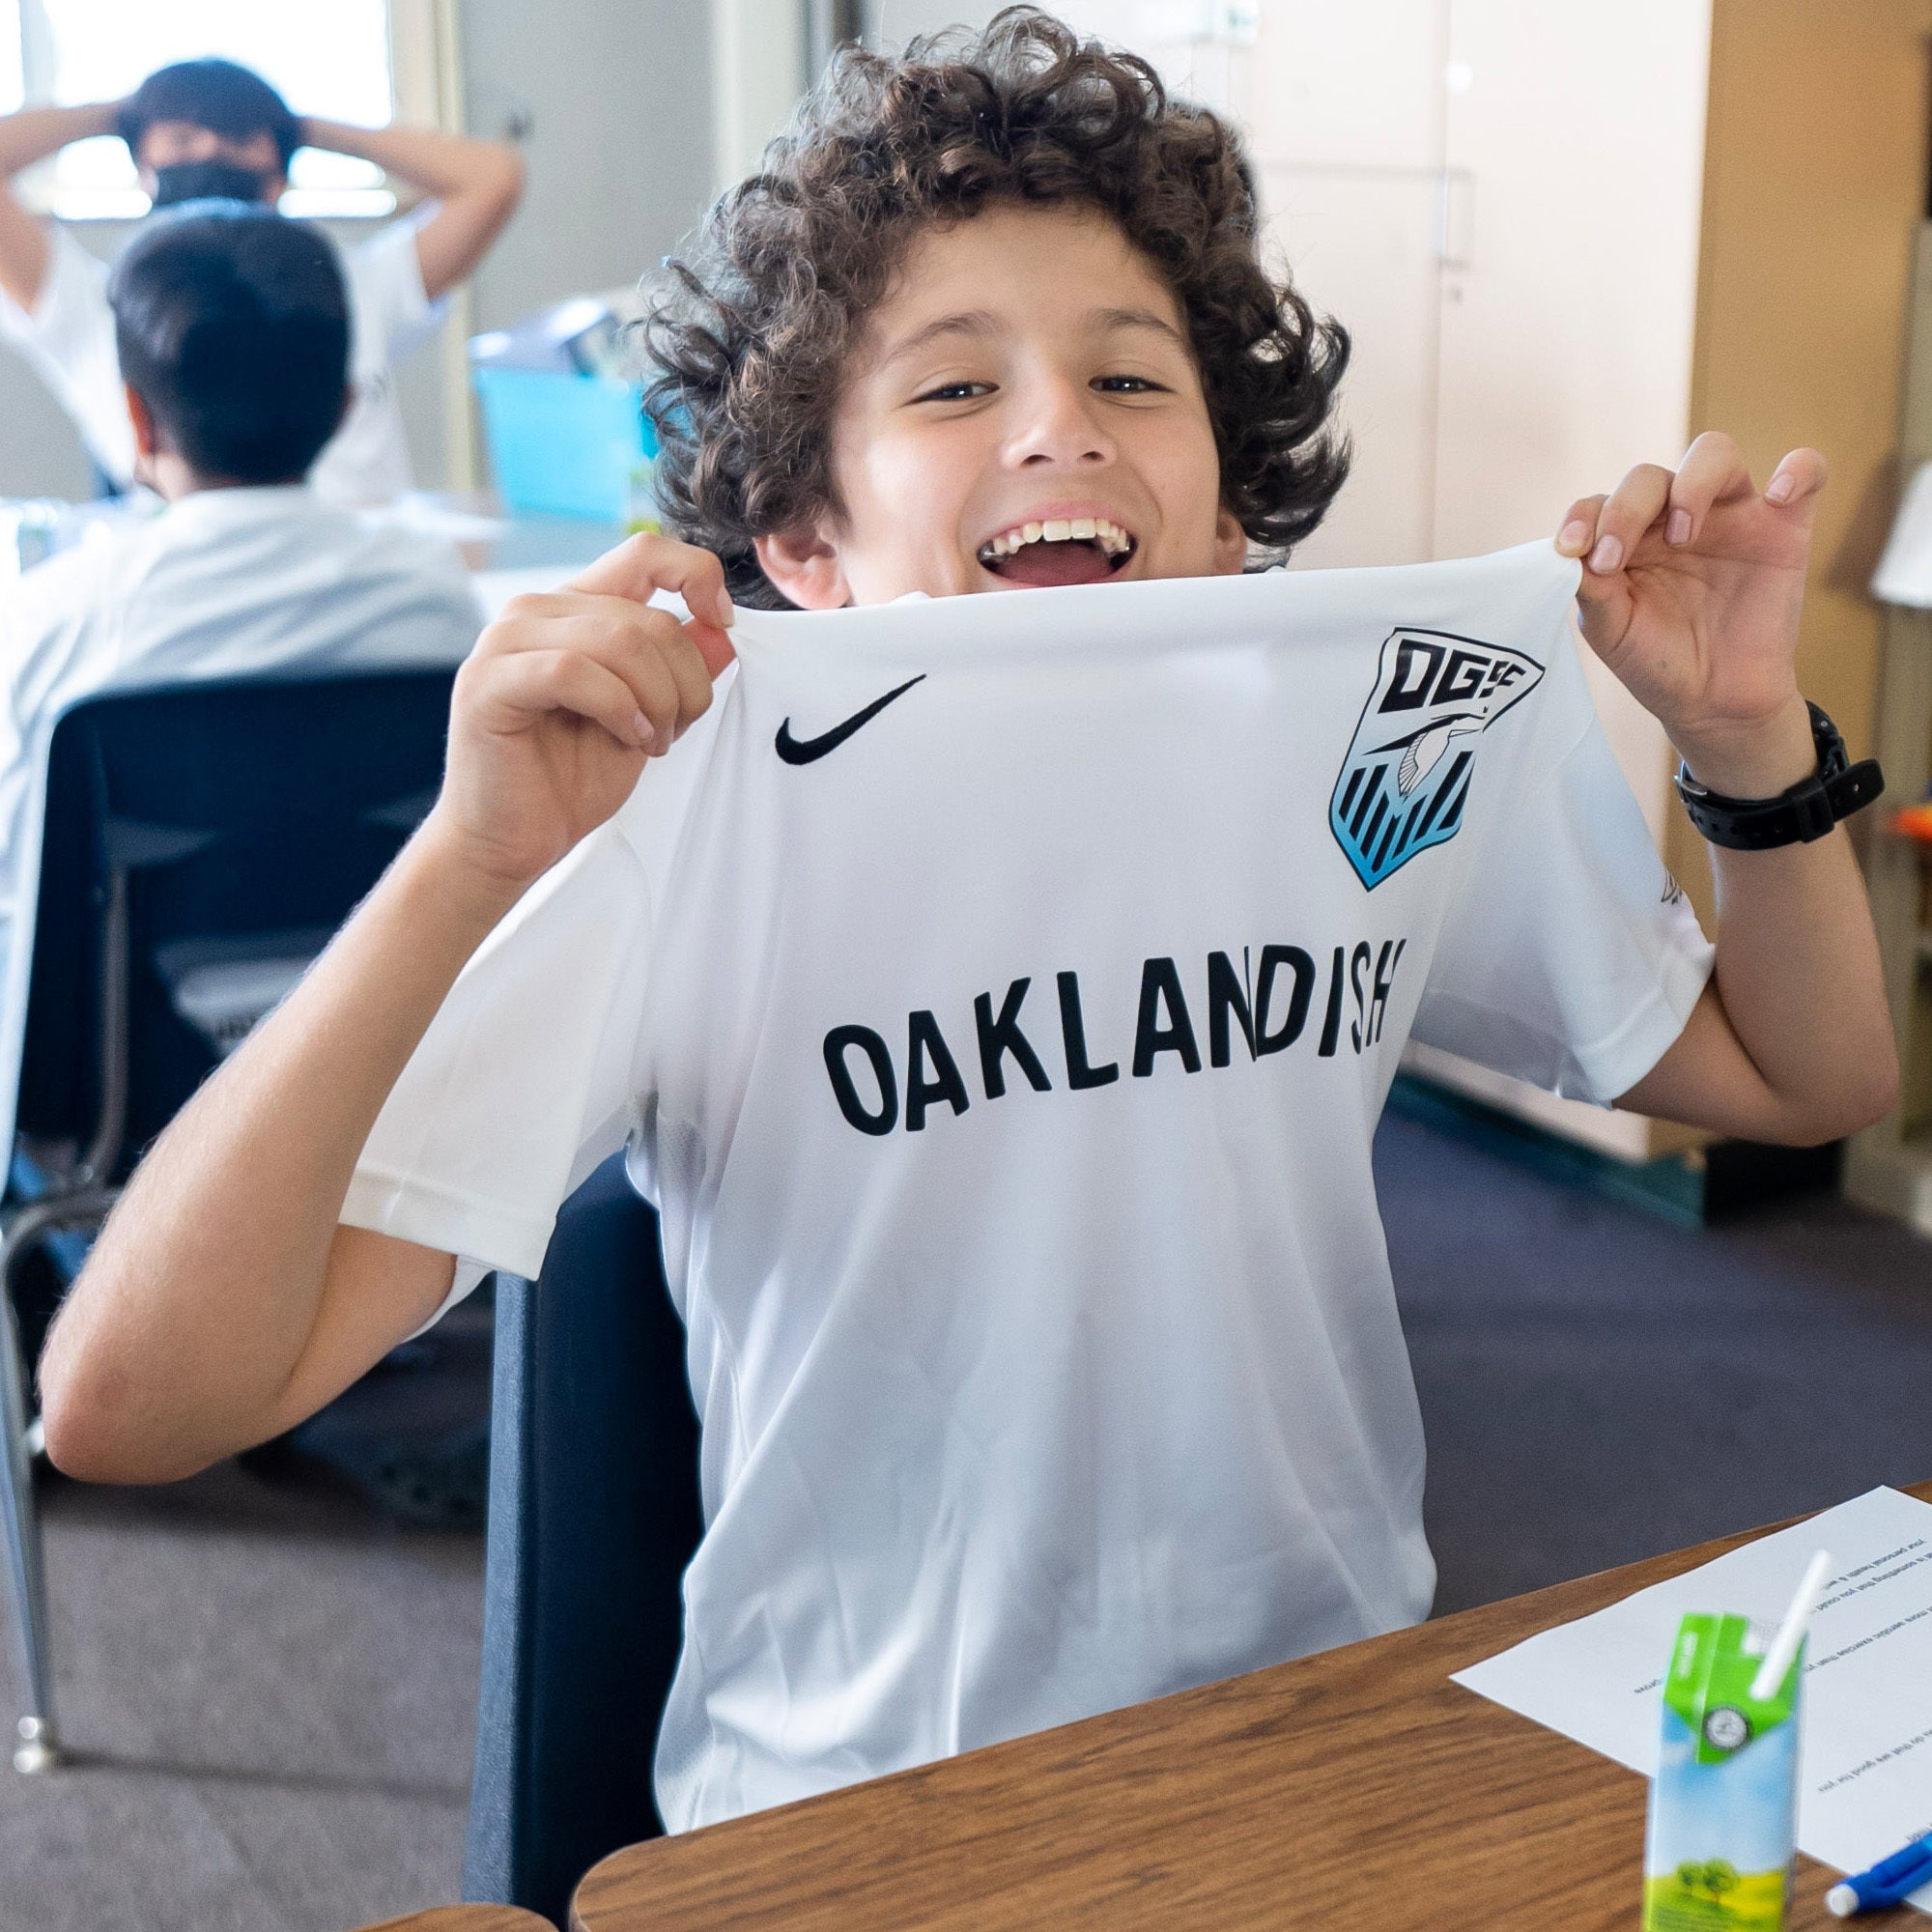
<point>1043,1334</point>
<point>209,129</point>
<point>233,330</point>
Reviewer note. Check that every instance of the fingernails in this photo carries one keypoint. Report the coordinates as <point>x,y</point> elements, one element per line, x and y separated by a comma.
<point>1780,489</point>
<point>1677,527</point>
<point>1573,536</point>
<point>726,616</point>
<point>642,732</point>
<point>1606,556</point>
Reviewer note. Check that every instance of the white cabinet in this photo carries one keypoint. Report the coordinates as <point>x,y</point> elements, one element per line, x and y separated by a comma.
<point>1361,244</point>
<point>1573,152</point>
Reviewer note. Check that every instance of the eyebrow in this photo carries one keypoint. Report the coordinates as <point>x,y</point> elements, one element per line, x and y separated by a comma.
<point>978,321</point>
<point>968,321</point>
<point>1137,318</point>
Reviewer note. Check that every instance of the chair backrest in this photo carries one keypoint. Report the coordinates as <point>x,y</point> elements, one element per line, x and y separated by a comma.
<point>235,810</point>
<point>594,1515</point>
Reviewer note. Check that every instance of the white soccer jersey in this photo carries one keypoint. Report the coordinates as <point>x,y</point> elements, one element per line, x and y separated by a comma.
<point>997,996</point>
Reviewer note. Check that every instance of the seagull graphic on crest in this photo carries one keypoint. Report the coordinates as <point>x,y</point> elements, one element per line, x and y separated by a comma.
<point>1424,747</point>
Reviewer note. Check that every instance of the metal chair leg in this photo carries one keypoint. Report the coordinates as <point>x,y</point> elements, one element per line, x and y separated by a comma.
<point>38,1748</point>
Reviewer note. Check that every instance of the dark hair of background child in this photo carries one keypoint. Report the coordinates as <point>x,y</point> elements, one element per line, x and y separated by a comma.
<point>750,341</point>
<point>232,323</point>
<point>230,100</point>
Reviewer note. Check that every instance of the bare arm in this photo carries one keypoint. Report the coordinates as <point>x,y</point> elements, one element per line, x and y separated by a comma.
<point>1692,595</point>
<point>26,138</point>
<point>1792,1041</point>
<point>224,1302</point>
<point>162,1360</point>
<point>476,183</point>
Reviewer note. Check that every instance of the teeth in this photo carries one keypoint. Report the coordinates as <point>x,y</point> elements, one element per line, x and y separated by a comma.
<point>1108,535</point>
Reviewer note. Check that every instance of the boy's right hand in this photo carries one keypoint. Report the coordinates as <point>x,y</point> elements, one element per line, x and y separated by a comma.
<point>564,697</point>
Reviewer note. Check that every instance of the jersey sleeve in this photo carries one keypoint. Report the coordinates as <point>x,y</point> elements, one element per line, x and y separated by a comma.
<point>524,1081</point>
<point>1569,957</point>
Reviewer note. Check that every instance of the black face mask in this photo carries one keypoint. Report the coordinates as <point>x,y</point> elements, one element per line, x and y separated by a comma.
<point>207,181</point>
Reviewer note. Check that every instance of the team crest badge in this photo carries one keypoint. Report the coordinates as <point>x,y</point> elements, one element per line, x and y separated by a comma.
<point>1406,779</point>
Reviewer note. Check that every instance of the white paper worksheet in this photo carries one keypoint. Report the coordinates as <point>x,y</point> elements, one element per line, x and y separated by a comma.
<point>1866,1771</point>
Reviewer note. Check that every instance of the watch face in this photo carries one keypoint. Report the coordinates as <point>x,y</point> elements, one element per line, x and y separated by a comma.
<point>1726,1729</point>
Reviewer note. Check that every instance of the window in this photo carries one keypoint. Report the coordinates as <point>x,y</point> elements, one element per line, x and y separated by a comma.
<point>326,57</point>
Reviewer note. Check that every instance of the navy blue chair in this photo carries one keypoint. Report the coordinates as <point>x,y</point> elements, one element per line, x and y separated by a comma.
<point>593,1517</point>
<point>202,841</point>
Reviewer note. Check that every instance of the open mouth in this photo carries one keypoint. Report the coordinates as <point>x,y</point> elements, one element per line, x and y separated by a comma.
<point>1074,550</point>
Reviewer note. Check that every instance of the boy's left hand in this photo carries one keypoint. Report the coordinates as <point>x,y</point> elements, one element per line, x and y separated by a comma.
<point>1692,585</point>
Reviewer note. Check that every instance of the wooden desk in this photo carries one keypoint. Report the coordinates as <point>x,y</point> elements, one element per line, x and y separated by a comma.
<point>466,1919</point>
<point>1357,1788</point>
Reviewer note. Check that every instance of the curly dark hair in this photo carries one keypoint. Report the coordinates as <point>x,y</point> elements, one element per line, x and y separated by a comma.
<point>751,337</point>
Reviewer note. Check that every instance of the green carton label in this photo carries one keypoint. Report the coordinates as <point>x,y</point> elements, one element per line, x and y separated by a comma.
<point>1723,1804</point>
<point>1709,1687</point>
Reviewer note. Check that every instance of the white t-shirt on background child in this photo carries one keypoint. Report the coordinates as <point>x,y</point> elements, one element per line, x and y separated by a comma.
<point>997,996</point>
<point>223,583</point>
<point>68,338</point>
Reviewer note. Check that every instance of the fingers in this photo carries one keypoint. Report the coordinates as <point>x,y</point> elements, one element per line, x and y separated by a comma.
<point>643,564</point>
<point>1578,531</point>
<point>1578,537</point>
<point>1798,478</point>
<point>1606,529</point>
<point>1630,509</point>
<point>1713,470</point>
<point>658,661</point>
<point>513,688</point>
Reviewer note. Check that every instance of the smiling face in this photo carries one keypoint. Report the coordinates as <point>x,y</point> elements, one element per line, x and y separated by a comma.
<point>1024,410</point>
<point>167,144</point>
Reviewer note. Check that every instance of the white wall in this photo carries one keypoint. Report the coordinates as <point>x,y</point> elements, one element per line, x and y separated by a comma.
<point>891,23</point>
<point>616,94</point>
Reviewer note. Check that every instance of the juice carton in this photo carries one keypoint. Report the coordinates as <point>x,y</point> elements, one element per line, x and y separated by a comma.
<point>1724,1809</point>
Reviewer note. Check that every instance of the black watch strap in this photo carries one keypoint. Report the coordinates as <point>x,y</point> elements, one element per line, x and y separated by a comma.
<point>1805,810</point>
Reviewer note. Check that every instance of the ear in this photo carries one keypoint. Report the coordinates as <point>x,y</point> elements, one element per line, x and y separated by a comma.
<point>805,564</point>
<point>146,441</point>
<point>1231,544</point>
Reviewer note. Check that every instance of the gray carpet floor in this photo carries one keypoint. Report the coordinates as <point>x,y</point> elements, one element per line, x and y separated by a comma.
<point>269,1696</point>
<point>1597,1385</point>
<point>269,1685</point>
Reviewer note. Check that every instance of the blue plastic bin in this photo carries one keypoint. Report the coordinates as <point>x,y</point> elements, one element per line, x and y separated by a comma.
<point>563,446</point>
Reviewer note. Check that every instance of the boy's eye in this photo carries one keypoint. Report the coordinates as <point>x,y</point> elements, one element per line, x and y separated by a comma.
<point>955,393</point>
<point>1127,386</point>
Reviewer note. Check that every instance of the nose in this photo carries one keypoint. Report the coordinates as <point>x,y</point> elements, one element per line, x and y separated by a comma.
<point>1058,427</point>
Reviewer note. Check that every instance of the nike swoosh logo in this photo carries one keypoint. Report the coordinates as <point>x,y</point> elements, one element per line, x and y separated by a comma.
<point>804,751</point>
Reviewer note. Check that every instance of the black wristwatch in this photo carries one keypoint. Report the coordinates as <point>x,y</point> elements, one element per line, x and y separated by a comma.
<point>1805,810</point>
